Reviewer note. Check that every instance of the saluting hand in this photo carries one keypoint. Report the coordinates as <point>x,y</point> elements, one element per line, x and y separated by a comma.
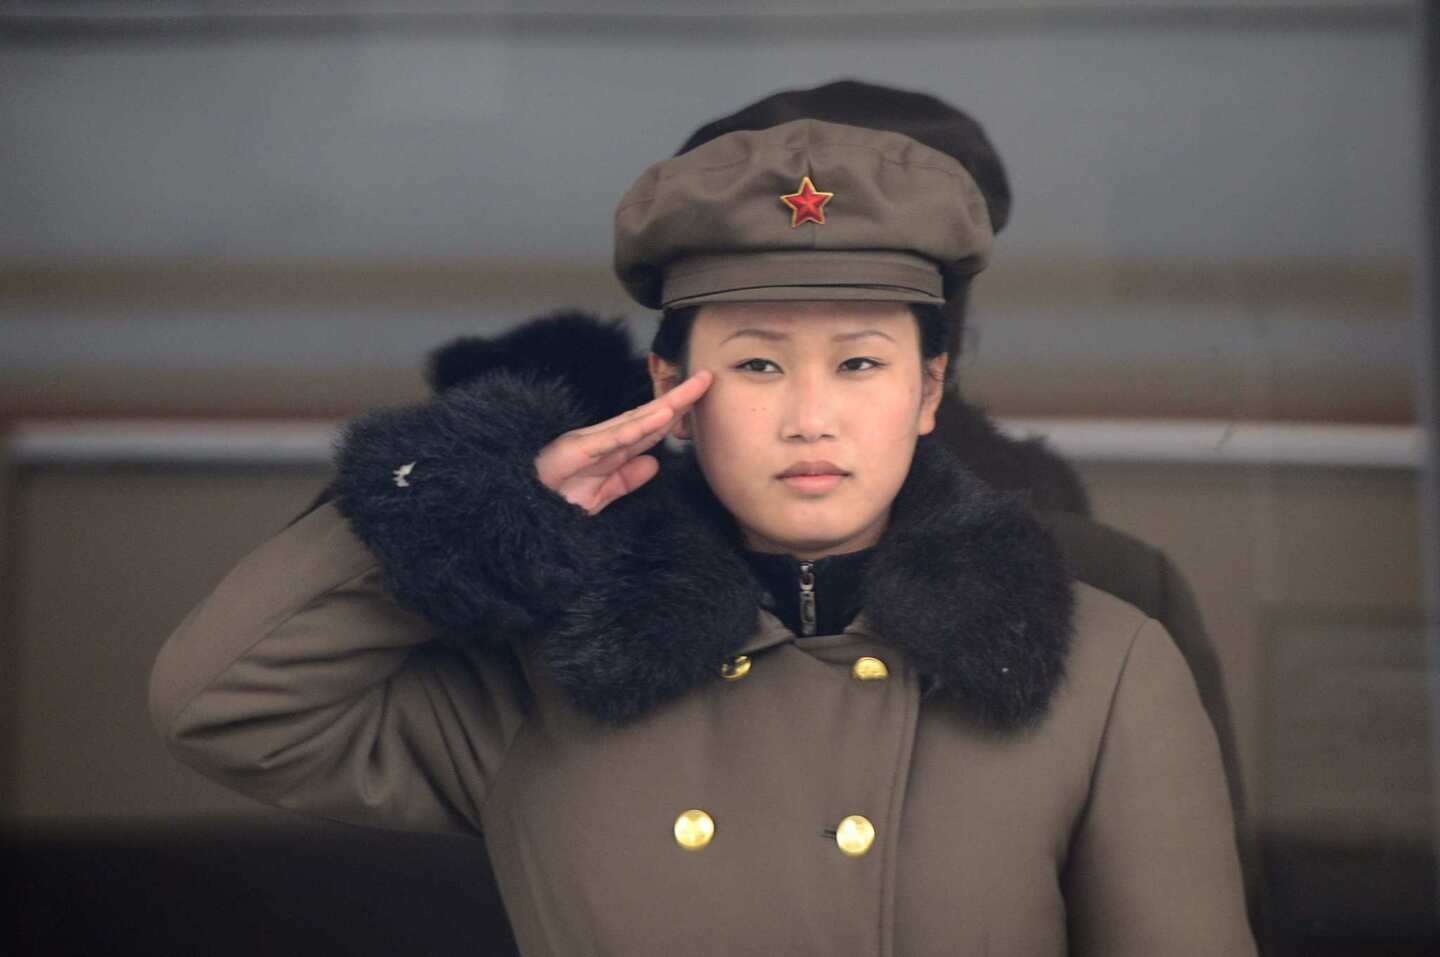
<point>594,466</point>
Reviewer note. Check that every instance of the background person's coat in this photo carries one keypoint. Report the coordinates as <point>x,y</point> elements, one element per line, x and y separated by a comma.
<point>1036,765</point>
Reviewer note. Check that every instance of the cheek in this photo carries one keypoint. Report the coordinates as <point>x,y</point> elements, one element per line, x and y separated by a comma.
<point>887,414</point>
<point>729,416</point>
<point>735,443</point>
<point>730,433</point>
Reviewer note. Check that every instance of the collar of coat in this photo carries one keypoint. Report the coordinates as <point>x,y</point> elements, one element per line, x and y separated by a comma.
<point>644,601</point>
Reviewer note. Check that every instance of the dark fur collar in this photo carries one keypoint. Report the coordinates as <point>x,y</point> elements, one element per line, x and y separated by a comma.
<point>964,581</point>
<point>642,603</point>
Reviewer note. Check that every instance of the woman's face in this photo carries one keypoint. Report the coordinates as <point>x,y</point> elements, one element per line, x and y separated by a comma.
<point>808,430</point>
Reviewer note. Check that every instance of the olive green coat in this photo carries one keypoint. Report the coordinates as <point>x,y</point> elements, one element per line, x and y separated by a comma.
<point>301,683</point>
<point>466,652</point>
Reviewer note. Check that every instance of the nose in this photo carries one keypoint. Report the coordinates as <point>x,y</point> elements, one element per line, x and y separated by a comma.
<point>810,407</point>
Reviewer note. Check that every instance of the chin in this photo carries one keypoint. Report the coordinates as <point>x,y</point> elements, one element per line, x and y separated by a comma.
<point>801,535</point>
<point>781,521</point>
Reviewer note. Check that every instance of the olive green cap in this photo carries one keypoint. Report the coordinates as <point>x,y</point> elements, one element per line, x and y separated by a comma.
<point>803,210</point>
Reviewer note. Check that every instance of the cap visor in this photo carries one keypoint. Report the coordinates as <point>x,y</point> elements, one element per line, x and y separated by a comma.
<point>810,293</point>
<point>792,275</point>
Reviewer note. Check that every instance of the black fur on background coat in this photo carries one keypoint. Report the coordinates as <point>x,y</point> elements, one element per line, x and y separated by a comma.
<point>642,602</point>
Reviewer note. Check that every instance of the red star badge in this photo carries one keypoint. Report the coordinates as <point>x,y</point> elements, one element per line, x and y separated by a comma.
<point>807,205</point>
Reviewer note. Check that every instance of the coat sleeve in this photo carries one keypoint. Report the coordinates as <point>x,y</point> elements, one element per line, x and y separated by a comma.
<point>1153,868</point>
<point>301,683</point>
<point>446,495</point>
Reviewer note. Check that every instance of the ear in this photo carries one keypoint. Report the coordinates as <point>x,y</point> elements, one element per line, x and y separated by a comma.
<point>664,376</point>
<point>932,388</point>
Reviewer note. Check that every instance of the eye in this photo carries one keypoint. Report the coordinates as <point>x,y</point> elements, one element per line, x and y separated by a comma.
<point>874,364</point>
<point>753,365</point>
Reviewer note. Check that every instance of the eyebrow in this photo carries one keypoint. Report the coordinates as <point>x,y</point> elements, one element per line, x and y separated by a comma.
<point>773,336</point>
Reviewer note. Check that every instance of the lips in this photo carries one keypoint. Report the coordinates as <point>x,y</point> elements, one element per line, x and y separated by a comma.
<point>812,468</point>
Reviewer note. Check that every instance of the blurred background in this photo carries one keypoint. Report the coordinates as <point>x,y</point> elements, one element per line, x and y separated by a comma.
<point>226,227</point>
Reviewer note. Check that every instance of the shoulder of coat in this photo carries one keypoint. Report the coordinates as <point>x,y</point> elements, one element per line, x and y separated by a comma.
<point>1096,608</point>
<point>1105,628</point>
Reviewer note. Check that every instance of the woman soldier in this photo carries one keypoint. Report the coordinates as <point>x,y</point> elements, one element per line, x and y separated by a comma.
<point>808,688</point>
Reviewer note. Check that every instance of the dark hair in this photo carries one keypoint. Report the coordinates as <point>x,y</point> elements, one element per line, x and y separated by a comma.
<point>672,339</point>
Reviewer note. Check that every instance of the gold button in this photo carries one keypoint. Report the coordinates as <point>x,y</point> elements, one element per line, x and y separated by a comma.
<point>737,667</point>
<point>694,829</point>
<point>855,835</point>
<point>869,669</point>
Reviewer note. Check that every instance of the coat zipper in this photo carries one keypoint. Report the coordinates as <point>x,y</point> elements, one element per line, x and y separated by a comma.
<point>807,598</point>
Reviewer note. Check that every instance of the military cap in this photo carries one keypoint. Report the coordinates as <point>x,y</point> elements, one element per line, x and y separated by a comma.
<point>920,116</point>
<point>806,209</point>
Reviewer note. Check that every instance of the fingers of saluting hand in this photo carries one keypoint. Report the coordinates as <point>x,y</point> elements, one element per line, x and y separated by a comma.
<point>597,450</point>
<point>619,450</point>
<point>601,452</point>
<point>686,393</point>
<point>678,400</point>
<point>625,479</point>
<point>633,431</point>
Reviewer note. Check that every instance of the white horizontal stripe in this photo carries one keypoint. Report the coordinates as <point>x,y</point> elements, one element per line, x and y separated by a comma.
<point>171,442</point>
<point>1219,442</point>
<point>41,442</point>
